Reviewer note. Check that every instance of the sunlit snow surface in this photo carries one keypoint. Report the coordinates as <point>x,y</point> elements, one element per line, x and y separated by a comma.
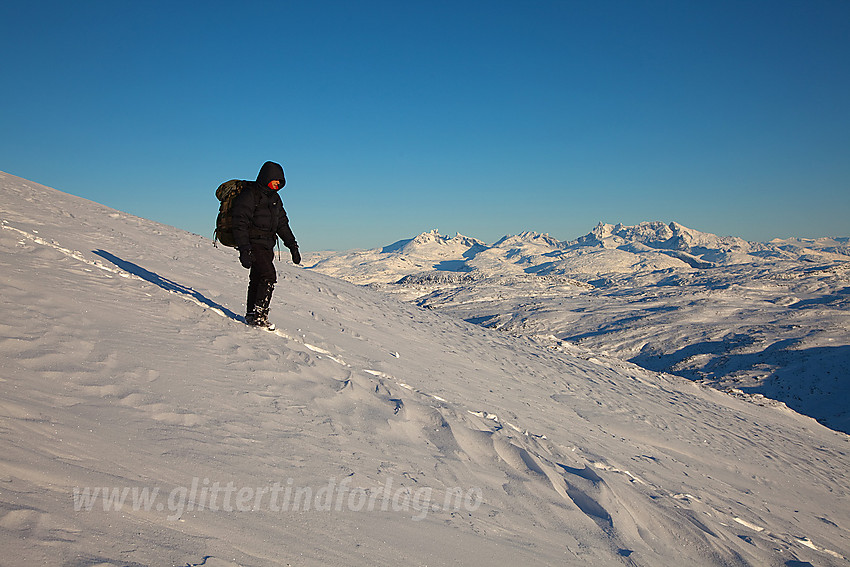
<point>405,436</point>
<point>770,319</point>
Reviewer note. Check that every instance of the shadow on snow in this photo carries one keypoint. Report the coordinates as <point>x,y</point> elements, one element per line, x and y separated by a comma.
<point>166,284</point>
<point>812,381</point>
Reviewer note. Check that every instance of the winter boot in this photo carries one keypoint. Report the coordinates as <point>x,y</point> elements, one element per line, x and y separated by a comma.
<point>258,313</point>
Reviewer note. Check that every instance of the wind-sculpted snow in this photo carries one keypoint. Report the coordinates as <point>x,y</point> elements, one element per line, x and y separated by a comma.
<point>145,424</point>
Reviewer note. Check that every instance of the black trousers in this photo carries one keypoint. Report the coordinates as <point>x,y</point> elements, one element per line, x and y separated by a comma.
<point>262,277</point>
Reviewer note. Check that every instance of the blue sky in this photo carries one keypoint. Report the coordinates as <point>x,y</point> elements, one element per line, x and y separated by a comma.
<point>392,118</point>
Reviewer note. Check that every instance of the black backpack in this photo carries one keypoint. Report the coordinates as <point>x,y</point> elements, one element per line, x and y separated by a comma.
<point>226,193</point>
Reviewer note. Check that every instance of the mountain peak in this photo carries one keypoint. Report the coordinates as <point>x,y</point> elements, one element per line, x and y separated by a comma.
<point>654,234</point>
<point>432,240</point>
<point>528,237</point>
<point>432,235</point>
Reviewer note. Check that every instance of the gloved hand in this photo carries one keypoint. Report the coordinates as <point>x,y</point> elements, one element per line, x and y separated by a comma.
<point>296,255</point>
<point>246,257</point>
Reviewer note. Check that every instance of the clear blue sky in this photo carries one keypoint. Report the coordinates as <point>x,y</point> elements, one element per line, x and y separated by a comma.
<point>483,117</point>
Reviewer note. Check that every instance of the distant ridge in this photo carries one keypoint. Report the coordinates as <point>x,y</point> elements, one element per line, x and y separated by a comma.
<point>606,249</point>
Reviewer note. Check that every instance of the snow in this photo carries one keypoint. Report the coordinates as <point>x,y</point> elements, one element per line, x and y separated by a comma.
<point>364,431</point>
<point>766,319</point>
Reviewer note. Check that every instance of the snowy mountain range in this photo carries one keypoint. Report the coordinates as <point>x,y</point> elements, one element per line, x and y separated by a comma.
<point>607,249</point>
<point>144,424</point>
<point>771,319</point>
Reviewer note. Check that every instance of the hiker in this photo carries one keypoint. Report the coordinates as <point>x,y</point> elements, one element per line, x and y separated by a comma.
<point>258,220</point>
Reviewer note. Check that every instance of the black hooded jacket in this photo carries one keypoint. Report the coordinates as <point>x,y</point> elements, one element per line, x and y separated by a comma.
<point>258,214</point>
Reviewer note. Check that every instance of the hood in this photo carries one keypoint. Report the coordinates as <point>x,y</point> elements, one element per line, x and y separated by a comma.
<point>269,172</point>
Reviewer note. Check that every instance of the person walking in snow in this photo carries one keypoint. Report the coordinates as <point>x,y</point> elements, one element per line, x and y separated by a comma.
<point>258,220</point>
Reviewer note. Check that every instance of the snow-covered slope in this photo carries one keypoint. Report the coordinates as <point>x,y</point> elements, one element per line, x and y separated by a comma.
<point>365,431</point>
<point>766,318</point>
